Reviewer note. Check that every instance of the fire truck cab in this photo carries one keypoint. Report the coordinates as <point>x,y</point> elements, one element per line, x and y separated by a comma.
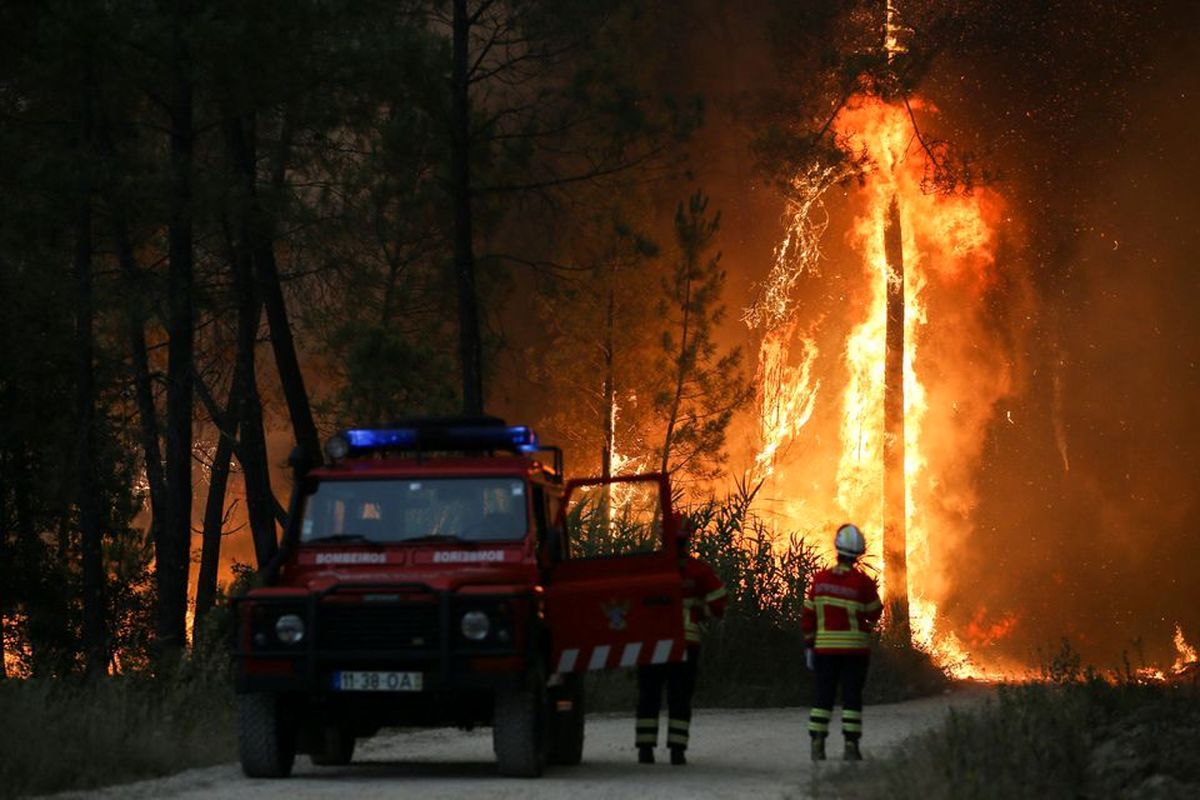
<point>440,572</point>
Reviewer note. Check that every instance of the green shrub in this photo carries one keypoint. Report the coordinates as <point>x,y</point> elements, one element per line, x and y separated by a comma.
<point>1080,737</point>
<point>64,733</point>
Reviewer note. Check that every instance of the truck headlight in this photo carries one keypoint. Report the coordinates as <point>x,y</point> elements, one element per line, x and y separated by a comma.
<point>475,625</point>
<point>289,629</point>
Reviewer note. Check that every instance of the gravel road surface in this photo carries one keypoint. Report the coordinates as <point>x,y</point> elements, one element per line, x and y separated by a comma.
<point>734,753</point>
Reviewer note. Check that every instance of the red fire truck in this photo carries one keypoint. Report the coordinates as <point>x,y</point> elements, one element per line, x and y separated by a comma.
<point>440,572</point>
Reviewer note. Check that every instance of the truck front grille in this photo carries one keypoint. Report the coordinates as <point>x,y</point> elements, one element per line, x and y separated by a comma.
<point>365,627</point>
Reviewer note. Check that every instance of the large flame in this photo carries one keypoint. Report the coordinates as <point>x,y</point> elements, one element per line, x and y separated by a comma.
<point>956,367</point>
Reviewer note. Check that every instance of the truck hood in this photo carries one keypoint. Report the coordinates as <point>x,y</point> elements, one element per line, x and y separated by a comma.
<point>437,566</point>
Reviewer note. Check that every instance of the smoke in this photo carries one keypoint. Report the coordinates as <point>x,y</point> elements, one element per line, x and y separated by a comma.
<point>1087,511</point>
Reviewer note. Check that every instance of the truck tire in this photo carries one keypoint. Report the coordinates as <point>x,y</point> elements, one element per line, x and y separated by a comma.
<point>518,730</point>
<point>266,743</point>
<point>336,748</point>
<point>564,734</point>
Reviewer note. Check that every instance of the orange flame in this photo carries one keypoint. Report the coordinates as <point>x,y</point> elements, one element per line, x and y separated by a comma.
<point>980,633</point>
<point>1187,654</point>
<point>955,366</point>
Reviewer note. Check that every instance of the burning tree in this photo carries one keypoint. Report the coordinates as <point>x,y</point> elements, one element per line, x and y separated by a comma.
<point>924,233</point>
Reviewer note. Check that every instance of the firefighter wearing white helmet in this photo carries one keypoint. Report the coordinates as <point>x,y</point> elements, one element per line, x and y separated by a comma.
<point>841,608</point>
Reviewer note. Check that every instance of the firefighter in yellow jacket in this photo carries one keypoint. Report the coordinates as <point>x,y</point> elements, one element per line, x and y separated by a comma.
<point>704,598</point>
<point>840,610</point>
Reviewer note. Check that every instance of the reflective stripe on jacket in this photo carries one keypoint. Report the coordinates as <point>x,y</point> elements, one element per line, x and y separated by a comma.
<point>840,610</point>
<point>704,597</point>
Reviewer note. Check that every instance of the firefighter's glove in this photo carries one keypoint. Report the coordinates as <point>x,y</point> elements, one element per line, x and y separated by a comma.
<point>810,659</point>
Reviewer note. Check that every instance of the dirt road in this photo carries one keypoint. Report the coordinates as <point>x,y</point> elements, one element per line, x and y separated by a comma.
<point>734,753</point>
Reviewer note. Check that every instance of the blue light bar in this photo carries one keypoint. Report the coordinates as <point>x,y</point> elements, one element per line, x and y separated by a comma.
<point>381,438</point>
<point>516,438</point>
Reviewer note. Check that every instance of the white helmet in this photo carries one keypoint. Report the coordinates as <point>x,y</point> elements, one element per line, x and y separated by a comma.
<point>849,541</point>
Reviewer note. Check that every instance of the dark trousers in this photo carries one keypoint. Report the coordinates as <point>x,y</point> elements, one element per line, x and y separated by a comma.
<point>680,682</point>
<point>831,671</point>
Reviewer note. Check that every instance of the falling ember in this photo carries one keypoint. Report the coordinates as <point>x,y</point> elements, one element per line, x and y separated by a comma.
<point>955,367</point>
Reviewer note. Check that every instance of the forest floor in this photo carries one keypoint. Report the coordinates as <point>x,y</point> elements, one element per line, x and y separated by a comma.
<point>734,753</point>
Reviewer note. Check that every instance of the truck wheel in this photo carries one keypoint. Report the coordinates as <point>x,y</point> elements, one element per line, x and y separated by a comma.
<point>564,740</point>
<point>266,743</point>
<point>518,728</point>
<point>336,747</point>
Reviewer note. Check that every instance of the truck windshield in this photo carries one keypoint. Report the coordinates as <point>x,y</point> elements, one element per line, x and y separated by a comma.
<point>464,509</point>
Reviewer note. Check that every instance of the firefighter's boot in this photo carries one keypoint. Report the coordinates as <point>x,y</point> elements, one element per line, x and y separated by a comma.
<point>678,758</point>
<point>852,753</point>
<point>645,755</point>
<point>818,748</point>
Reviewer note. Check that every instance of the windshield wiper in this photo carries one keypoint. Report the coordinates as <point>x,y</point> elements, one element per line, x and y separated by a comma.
<point>341,537</point>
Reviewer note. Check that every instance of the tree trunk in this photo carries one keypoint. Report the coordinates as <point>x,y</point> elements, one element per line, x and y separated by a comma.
<point>172,549</point>
<point>6,570</point>
<point>139,356</point>
<point>270,292</point>
<point>610,403</point>
<point>682,367</point>
<point>95,633</point>
<point>30,546</point>
<point>252,448</point>
<point>610,386</point>
<point>470,345</point>
<point>278,512</point>
<point>214,524</point>
<point>895,567</point>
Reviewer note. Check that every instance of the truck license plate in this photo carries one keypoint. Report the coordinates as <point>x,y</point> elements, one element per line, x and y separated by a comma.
<point>371,681</point>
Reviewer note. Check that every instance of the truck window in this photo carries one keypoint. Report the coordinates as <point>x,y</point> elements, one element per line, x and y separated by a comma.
<point>397,510</point>
<point>619,519</point>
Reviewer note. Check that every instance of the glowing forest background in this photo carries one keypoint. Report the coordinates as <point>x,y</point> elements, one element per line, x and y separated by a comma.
<point>231,227</point>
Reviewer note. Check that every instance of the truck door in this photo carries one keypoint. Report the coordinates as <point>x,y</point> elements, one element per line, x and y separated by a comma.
<point>614,596</point>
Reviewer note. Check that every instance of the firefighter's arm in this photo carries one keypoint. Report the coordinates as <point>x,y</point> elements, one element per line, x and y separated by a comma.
<point>713,592</point>
<point>872,607</point>
<point>808,619</point>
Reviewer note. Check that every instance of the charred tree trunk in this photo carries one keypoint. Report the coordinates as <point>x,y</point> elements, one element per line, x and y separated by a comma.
<point>470,344</point>
<point>895,566</point>
<point>87,499</point>
<point>252,449</point>
<point>172,548</point>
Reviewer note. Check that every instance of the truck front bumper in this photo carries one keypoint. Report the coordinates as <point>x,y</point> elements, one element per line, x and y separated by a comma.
<point>394,636</point>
